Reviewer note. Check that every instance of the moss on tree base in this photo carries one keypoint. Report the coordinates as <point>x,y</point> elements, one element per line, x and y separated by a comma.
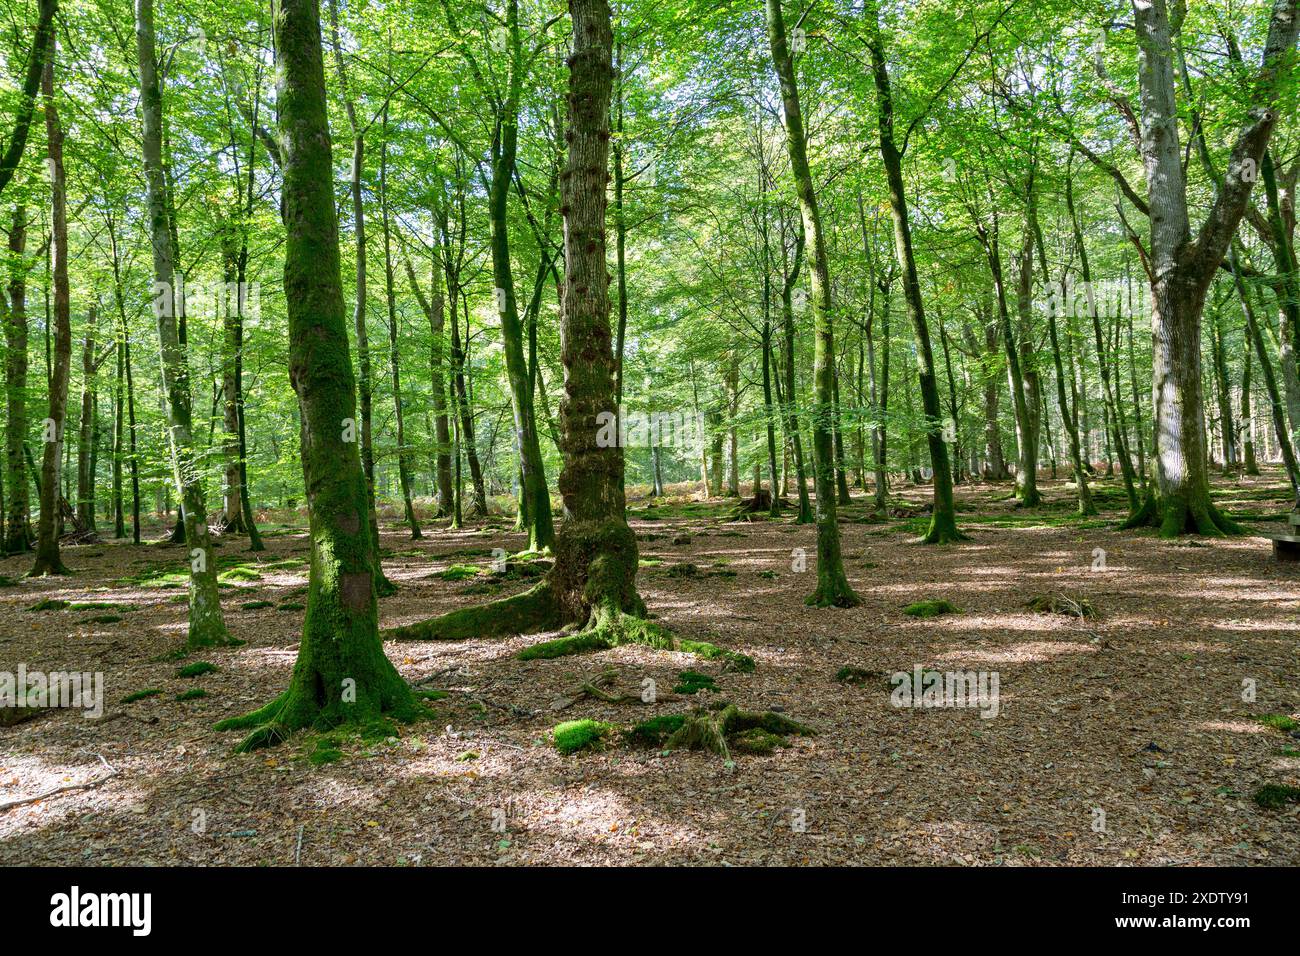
<point>296,709</point>
<point>1181,514</point>
<point>943,530</point>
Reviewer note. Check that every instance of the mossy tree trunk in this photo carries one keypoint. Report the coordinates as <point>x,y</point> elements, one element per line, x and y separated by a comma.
<point>341,675</point>
<point>206,624</point>
<point>943,519</point>
<point>534,499</point>
<point>365,374</point>
<point>18,535</point>
<point>48,558</point>
<point>832,585</point>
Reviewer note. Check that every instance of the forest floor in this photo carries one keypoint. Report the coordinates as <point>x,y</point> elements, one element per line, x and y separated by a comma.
<point>1121,738</point>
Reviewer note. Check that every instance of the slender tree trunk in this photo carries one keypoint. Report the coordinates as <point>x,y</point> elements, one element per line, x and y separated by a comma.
<point>1281,424</point>
<point>394,358</point>
<point>206,624</point>
<point>48,558</point>
<point>1249,465</point>
<point>341,675</point>
<point>833,587</point>
<point>85,431</point>
<point>435,311</point>
<point>535,498</point>
<point>943,520</point>
<point>792,425</point>
<point>18,535</point>
<point>232,518</point>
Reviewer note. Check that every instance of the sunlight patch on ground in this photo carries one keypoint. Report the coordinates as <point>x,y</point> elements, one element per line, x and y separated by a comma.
<point>1031,652</point>
<point>1234,726</point>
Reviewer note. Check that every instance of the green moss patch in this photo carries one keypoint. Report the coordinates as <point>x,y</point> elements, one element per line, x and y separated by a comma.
<point>141,695</point>
<point>930,608</point>
<point>291,606</point>
<point>325,751</point>
<point>102,619</point>
<point>1275,796</point>
<point>683,570</point>
<point>239,573</point>
<point>575,735</point>
<point>459,572</point>
<point>50,604</point>
<point>194,693</point>
<point>692,682</point>
<point>653,732</point>
<point>1282,722</point>
<point>196,669</point>
<point>255,605</point>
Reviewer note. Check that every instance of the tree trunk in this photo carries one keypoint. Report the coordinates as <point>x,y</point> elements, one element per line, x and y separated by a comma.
<point>48,558</point>
<point>85,430</point>
<point>535,498</point>
<point>341,675</point>
<point>832,584</point>
<point>18,534</point>
<point>792,426</point>
<point>206,624</point>
<point>1249,465</point>
<point>435,311</point>
<point>943,520</point>
<point>1182,267</point>
<point>394,359</point>
<point>365,375</point>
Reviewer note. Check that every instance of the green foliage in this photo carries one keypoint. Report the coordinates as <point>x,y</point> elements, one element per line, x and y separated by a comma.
<point>194,693</point>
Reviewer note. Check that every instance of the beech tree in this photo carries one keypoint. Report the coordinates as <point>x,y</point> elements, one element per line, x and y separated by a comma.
<point>341,674</point>
<point>206,623</point>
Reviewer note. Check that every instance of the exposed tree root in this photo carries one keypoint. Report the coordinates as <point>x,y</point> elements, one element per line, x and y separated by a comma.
<point>609,630</point>
<point>724,725</point>
<point>533,610</point>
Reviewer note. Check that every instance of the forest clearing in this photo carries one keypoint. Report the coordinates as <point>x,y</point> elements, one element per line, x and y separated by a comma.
<point>784,433</point>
